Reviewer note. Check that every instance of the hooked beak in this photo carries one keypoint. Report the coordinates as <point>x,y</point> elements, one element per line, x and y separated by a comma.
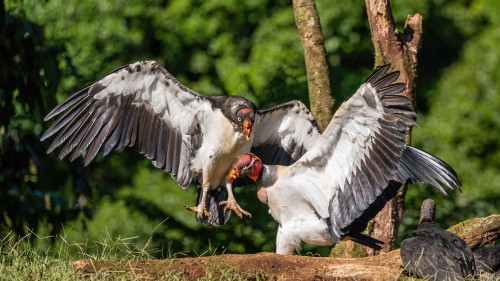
<point>247,129</point>
<point>234,174</point>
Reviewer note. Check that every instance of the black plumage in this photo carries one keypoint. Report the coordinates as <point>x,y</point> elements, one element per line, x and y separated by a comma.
<point>434,252</point>
<point>487,260</point>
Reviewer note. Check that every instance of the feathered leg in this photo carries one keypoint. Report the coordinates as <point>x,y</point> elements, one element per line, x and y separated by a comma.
<point>201,208</point>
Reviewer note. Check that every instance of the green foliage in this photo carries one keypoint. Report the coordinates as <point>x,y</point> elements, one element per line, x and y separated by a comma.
<point>465,120</point>
<point>462,124</point>
<point>219,47</point>
<point>18,262</point>
<point>151,208</point>
<point>34,187</point>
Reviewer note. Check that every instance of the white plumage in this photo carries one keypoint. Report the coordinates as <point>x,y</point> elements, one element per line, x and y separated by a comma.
<point>191,136</point>
<point>349,172</point>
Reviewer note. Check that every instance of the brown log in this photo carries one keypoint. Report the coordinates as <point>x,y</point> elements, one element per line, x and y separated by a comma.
<point>269,266</point>
<point>400,50</point>
<point>478,232</point>
<point>309,27</point>
<point>261,266</point>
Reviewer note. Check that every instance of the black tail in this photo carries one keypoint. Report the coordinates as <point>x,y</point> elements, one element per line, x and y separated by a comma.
<point>418,166</point>
<point>219,216</point>
<point>365,240</point>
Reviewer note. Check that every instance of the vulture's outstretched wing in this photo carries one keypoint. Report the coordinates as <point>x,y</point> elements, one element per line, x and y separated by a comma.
<point>140,105</point>
<point>361,152</point>
<point>284,133</point>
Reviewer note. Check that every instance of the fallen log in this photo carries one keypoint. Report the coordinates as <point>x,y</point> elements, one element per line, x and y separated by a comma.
<point>270,266</point>
<point>478,232</point>
<point>263,266</point>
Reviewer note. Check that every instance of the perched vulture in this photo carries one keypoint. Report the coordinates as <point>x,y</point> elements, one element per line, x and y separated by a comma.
<point>352,169</point>
<point>193,137</point>
<point>434,252</point>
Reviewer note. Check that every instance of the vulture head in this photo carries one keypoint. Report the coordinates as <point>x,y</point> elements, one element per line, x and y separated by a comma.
<point>245,117</point>
<point>239,110</point>
<point>248,165</point>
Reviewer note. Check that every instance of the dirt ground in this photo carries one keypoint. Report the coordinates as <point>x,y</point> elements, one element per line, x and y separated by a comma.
<point>262,266</point>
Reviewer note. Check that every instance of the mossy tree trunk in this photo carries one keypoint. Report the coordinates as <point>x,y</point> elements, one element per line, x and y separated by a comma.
<point>400,50</point>
<point>309,27</point>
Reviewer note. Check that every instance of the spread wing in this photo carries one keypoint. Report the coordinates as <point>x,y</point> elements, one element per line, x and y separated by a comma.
<point>140,105</point>
<point>283,133</point>
<point>361,152</point>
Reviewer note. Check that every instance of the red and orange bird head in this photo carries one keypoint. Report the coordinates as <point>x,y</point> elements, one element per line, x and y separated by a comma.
<point>248,165</point>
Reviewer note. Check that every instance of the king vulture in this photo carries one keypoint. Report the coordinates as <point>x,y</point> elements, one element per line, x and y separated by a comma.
<point>193,137</point>
<point>350,172</point>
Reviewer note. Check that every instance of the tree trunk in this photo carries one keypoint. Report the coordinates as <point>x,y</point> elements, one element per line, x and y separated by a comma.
<point>309,27</point>
<point>400,50</point>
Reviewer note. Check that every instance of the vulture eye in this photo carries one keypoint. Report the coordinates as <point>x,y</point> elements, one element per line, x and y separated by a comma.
<point>239,119</point>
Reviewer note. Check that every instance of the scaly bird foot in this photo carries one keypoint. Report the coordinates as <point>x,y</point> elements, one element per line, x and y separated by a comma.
<point>233,206</point>
<point>201,211</point>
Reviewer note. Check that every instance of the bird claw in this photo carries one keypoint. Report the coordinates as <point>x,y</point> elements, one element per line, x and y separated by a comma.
<point>233,206</point>
<point>201,211</point>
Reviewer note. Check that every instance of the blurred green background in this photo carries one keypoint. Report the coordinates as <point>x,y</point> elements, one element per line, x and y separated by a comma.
<point>51,48</point>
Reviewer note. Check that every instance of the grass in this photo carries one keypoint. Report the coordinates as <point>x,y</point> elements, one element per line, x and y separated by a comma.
<point>19,261</point>
<point>26,258</point>
<point>29,258</point>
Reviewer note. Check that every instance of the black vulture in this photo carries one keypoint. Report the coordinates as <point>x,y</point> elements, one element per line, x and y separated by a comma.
<point>434,252</point>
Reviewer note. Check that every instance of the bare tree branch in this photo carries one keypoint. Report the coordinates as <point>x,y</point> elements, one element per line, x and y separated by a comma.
<point>307,21</point>
<point>400,50</point>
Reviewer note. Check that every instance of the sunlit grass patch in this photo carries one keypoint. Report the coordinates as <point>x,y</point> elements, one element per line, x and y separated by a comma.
<point>26,258</point>
<point>20,261</point>
<point>110,258</point>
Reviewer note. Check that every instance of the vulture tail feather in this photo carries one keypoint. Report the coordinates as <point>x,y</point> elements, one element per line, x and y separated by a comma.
<point>430,169</point>
<point>365,240</point>
<point>219,215</point>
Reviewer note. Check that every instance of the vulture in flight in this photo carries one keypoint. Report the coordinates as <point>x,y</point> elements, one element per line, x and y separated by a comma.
<point>193,137</point>
<point>434,252</point>
<point>350,172</point>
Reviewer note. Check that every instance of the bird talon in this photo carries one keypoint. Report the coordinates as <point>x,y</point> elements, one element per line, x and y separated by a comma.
<point>207,213</point>
<point>233,206</point>
<point>201,211</point>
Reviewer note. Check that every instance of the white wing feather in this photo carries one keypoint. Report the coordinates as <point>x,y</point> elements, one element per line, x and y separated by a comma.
<point>284,133</point>
<point>347,172</point>
<point>139,105</point>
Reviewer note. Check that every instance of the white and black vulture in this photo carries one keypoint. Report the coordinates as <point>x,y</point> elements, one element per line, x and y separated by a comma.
<point>436,253</point>
<point>193,137</point>
<point>350,172</point>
